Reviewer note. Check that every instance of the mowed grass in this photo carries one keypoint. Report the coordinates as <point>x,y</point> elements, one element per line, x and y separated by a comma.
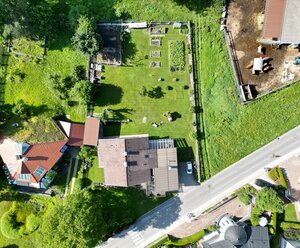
<point>33,90</point>
<point>232,130</point>
<point>120,92</point>
<point>96,174</point>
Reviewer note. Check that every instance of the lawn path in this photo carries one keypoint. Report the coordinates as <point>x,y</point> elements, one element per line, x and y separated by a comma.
<point>74,176</point>
<point>68,177</point>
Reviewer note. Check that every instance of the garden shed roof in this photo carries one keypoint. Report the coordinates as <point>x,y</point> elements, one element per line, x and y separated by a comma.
<point>281,21</point>
<point>76,135</point>
<point>91,131</point>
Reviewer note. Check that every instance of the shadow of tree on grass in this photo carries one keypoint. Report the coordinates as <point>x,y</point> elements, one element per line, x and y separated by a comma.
<point>129,49</point>
<point>107,94</point>
<point>196,5</point>
<point>156,93</point>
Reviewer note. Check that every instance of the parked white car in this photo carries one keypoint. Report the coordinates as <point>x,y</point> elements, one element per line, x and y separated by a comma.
<point>189,168</point>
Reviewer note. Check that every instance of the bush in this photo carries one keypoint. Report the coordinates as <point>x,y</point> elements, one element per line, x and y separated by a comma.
<point>273,223</point>
<point>291,233</point>
<point>287,225</point>
<point>78,73</point>
<point>281,178</point>
<point>21,109</point>
<point>273,174</point>
<point>32,223</point>
<point>9,225</point>
<point>177,58</point>
<point>268,199</point>
<point>78,185</point>
<point>277,174</point>
<point>255,215</point>
<point>244,198</point>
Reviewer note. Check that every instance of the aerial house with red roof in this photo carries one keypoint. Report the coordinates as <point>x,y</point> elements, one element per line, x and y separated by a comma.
<point>30,165</point>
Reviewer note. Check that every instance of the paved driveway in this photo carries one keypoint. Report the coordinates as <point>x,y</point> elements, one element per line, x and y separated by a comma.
<point>185,180</point>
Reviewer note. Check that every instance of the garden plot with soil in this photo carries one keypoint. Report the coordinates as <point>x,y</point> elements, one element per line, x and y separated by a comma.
<point>151,84</point>
<point>245,23</point>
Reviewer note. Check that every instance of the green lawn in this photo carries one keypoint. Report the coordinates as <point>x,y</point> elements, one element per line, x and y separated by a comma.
<point>60,59</point>
<point>135,200</point>
<point>95,174</point>
<point>22,212</point>
<point>233,130</point>
<point>120,92</point>
<point>290,213</point>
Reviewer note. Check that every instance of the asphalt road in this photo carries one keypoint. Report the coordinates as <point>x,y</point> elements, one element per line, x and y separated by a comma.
<point>196,199</point>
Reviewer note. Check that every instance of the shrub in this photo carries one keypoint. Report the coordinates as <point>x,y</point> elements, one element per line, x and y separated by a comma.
<point>277,174</point>
<point>32,223</point>
<point>9,225</point>
<point>292,234</point>
<point>273,174</point>
<point>21,109</point>
<point>78,73</point>
<point>143,91</point>
<point>273,223</point>
<point>78,185</point>
<point>287,225</point>
<point>177,58</point>
<point>268,199</point>
<point>255,215</point>
<point>281,178</point>
<point>244,198</point>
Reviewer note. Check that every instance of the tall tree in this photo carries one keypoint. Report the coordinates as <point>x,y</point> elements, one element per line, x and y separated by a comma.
<point>83,90</point>
<point>85,39</point>
<point>268,200</point>
<point>86,154</point>
<point>59,86</point>
<point>78,223</point>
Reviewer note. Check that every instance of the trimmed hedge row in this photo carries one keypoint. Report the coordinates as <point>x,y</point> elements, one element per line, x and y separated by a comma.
<point>287,225</point>
<point>173,241</point>
<point>277,174</point>
<point>273,223</point>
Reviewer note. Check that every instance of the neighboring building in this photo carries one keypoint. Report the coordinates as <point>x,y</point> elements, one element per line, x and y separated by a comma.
<point>233,235</point>
<point>30,165</point>
<point>281,22</point>
<point>91,131</point>
<point>132,160</point>
<point>287,243</point>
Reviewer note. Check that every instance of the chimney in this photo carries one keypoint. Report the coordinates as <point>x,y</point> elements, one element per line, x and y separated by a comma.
<point>24,159</point>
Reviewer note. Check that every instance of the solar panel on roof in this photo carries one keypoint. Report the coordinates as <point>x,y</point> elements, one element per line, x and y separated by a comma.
<point>39,171</point>
<point>62,150</point>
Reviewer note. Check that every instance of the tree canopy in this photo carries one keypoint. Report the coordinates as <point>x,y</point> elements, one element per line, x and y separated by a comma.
<point>268,200</point>
<point>85,39</point>
<point>86,154</point>
<point>78,223</point>
<point>83,90</point>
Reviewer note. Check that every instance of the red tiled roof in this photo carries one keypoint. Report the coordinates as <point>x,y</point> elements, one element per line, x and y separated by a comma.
<point>91,131</point>
<point>76,135</point>
<point>44,155</point>
<point>273,21</point>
